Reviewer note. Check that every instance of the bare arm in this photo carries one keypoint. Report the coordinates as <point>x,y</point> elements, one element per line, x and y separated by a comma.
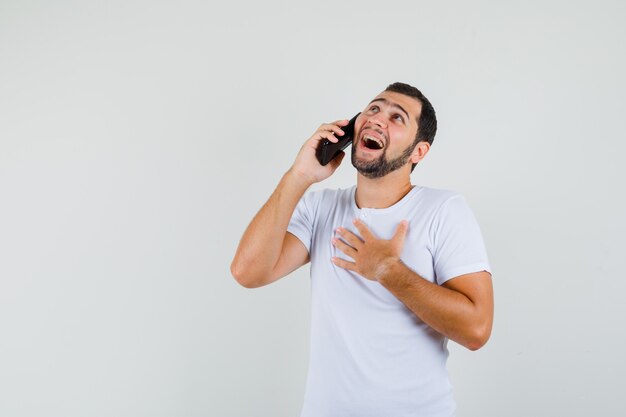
<point>267,251</point>
<point>461,309</point>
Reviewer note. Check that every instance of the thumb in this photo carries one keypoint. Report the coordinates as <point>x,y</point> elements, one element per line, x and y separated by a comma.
<point>400,234</point>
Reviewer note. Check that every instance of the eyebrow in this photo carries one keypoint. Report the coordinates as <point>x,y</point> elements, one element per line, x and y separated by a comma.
<point>384,100</point>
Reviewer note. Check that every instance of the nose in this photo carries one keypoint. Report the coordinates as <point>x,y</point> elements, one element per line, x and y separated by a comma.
<point>377,120</point>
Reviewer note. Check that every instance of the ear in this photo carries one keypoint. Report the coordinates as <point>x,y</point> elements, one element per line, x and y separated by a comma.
<point>420,151</point>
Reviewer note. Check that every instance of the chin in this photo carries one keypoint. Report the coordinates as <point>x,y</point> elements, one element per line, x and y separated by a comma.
<point>378,167</point>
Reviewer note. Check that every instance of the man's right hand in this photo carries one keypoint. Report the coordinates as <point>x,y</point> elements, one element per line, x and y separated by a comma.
<point>307,165</point>
<point>267,251</point>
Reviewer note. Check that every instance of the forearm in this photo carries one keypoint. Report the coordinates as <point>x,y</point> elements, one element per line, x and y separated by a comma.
<point>261,244</point>
<point>266,252</point>
<point>449,312</point>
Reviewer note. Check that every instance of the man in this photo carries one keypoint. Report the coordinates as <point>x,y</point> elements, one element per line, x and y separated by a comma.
<point>396,269</point>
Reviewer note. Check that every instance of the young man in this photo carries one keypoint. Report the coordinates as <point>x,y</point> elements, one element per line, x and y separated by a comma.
<point>396,269</point>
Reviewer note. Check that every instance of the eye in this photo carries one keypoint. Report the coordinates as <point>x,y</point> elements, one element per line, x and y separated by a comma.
<point>398,117</point>
<point>374,109</point>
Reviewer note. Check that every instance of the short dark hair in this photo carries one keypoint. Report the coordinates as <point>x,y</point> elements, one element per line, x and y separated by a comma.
<point>427,122</point>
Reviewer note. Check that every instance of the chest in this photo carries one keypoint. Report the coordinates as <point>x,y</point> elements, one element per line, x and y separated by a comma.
<point>417,251</point>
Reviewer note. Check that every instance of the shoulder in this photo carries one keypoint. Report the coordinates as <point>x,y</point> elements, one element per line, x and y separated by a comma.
<point>328,197</point>
<point>438,198</point>
<point>451,213</point>
<point>444,209</point>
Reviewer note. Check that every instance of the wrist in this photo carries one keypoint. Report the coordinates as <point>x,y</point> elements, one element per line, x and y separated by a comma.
<point>388,270</point>
<point>298,178</point>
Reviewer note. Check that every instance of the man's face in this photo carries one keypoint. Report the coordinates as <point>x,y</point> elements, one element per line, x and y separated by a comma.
<point>385,134</point>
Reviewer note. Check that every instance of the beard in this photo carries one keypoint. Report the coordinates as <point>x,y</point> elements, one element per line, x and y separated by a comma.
<point>381,166</point>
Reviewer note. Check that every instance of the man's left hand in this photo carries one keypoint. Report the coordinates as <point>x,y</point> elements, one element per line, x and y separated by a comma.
<point>372,256</point>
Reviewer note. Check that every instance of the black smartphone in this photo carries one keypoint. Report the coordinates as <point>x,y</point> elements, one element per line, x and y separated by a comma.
<point>327,150</point>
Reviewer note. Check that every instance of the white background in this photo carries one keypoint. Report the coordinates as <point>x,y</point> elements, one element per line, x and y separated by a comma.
<point>138,139</point>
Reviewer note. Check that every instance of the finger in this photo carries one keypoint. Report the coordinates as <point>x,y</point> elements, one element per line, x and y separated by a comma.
<point>329,135</point>
<point>351,266</point>
<point>352,239</point>
<point>321,135</point>
<point>345,248</point>
<point>331,128</point>
<point>400,234</point>
<point>342,122</point>
<point>362,228</point>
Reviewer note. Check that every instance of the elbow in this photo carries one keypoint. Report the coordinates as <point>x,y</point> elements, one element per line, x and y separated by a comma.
<point>478,337</point>
<point>242,275</point>
<point>476,344</point>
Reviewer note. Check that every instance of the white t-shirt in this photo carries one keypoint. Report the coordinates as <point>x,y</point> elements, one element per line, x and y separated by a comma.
<point>370,355</point>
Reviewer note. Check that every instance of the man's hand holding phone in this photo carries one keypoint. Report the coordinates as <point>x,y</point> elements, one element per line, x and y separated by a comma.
<point>267,251</point>
<point>307,165</point>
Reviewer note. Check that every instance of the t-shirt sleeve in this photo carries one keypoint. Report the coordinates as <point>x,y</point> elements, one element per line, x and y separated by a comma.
<point>458,243</point>
<point>301,223</point>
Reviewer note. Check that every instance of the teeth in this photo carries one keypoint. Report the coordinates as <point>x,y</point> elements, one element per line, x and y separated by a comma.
<point>367,137</point>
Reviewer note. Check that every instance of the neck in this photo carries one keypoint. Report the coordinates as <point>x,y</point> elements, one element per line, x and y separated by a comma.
<point>382,192</point>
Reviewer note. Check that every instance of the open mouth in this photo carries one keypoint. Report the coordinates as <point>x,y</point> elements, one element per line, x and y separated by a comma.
<point>372,143</point>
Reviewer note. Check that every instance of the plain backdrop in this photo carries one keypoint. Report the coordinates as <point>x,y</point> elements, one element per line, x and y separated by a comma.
<point>138,138</point>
